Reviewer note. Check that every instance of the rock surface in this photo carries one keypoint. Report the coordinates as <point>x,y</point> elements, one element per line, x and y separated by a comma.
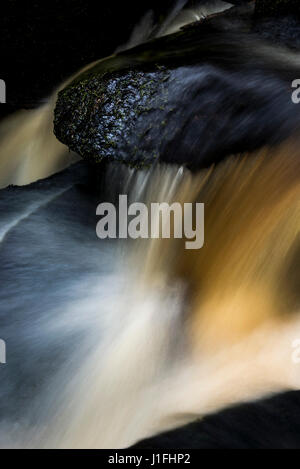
<point>277,7</point>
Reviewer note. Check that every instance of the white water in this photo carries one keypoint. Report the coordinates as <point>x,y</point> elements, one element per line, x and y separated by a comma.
<point>140,356</point>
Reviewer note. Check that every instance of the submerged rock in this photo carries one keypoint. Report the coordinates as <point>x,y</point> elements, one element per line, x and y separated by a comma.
<point>190,98</point>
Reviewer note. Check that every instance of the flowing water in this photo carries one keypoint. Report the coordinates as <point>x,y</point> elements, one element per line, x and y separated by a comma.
<point>112,341</point>
<point>109,342</point>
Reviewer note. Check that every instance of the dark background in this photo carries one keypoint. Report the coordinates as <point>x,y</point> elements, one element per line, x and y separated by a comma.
<point>43,42</point>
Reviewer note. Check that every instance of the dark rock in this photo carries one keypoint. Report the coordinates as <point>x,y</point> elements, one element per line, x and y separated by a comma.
<point>279,21</point>
<point>272,423</point>
<point>277,7</point>
<point>190,98</point>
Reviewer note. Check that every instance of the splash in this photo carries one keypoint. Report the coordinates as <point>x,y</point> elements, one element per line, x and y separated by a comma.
<point>172,335</point>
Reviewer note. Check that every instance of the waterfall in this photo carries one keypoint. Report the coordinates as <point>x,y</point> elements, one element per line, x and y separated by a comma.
<point>166,335</point>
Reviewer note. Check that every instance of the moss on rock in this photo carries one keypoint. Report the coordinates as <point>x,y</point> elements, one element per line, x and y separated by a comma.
<point>189,98</point>
<point>112,105</point>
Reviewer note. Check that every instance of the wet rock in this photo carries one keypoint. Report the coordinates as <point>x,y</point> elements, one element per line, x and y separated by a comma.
<point>277,7</point>
<point>189,98</point>
<point>278,21</point>
<point>281,30</point>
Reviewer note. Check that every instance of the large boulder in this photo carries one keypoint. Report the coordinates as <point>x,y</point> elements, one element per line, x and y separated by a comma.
<point>190,98</point>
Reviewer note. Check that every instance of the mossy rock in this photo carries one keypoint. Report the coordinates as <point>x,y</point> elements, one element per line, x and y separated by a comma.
<point>189,98</point>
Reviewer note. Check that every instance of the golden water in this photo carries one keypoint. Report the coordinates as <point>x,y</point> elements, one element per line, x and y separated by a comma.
<point>191,332</point>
